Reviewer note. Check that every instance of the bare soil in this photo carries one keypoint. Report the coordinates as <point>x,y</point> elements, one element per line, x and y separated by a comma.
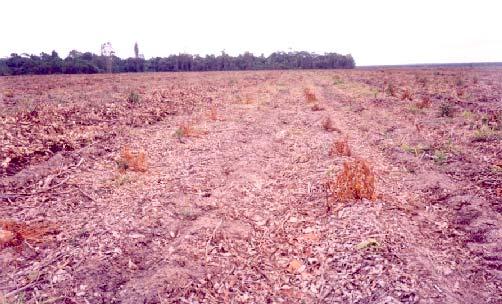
<point>233,206</point>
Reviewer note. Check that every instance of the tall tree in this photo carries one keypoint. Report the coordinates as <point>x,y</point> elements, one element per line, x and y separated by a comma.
<point>136,50</point>
<point>107,52</point>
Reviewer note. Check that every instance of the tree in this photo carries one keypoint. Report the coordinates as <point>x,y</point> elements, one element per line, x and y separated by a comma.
<point>107,52</point>
<point>77,62</point>
<point>136,50</point>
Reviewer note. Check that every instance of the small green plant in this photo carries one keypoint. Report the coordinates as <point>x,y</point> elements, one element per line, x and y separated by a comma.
<point>187,212</point>
<point>121,180</point>
<point>446,110</point>
<point>391,90</point>
<point>459,81</point>
<point>337,80</point>
<point>422,81</point>
<point>440,156</point>
<point>417,150</point>
<point>468,115</point>
<point>180,133</point>
<point>415,109</point>
<point>483,134</point>
<point>8,94</point>
<point>133,97</point>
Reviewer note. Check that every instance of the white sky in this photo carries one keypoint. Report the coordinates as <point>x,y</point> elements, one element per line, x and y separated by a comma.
<point>373,31</point>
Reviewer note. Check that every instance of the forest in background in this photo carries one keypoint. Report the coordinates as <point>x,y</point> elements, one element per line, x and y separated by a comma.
<point>89,63</point>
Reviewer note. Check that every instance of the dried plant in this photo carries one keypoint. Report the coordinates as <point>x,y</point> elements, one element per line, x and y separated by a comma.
<point>309,95</point>
<point>356,181</point>
<point>459,81</point>
<point>133,97</point>
<point>327,125</point>
<point>446,110</point>
<point>13,234</point>
<point>422,81</point>
<point>391,90</point>
<point>9,94</point>
<point>406,95</point>
<point>424,103</point>
<point>185,130</point>
<point>317,107</point>
<point>134,161</point>
<point>213,113</point>
<point>340,148</point>
<point>248,99</point>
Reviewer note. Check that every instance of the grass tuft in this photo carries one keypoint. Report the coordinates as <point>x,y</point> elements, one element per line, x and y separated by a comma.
<point>446,110</point>
<point>133,97</point>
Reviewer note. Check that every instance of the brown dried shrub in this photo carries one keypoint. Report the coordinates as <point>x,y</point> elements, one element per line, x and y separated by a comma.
<point>317,107</point>
<point>132,160</point>
<point>422,81</point>
<point>13,234</point>
<point>248,99</point>
<point>356,181</point>
<point>186,129</point>
<point>406,95</point>
<point>9,94</point>
<point>391,90</point>
<point>213,113</point>
<point>424,103</point>
<point>327,125</point>
<point>309,95</point>
<point>340,148</point>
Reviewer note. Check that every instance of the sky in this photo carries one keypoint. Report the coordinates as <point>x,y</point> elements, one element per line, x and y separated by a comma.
<point>375,32</point>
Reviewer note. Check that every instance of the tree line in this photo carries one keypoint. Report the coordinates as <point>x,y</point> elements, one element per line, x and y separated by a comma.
<point>90,63</point>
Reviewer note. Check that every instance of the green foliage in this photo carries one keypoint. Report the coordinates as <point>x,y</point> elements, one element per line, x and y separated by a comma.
<point>133,97</point>
<point>337,80</point>
<point>483,134</point>
<point>417,149</point>
<point>440,156</point>
<point>446,110</point>
<point>88,63</point>
<point>468,115</point>
<point>390,90</point>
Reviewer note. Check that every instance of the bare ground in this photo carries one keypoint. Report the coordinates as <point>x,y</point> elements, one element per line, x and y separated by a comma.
<point>237,213</point>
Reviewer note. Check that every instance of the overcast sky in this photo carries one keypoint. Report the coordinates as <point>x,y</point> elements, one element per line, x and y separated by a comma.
<point>374,32</point>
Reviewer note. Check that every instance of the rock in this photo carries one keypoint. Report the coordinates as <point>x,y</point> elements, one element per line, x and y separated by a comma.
<point>281,135</point>
<point>5,236</point>
<point>296,266</point>
<point>60,276</point>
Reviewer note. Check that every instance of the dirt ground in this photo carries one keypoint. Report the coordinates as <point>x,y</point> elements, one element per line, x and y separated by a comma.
<point>231,205</point>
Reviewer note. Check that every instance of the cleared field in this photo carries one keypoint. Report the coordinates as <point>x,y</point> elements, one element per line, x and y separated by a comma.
<point>218,187</point>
